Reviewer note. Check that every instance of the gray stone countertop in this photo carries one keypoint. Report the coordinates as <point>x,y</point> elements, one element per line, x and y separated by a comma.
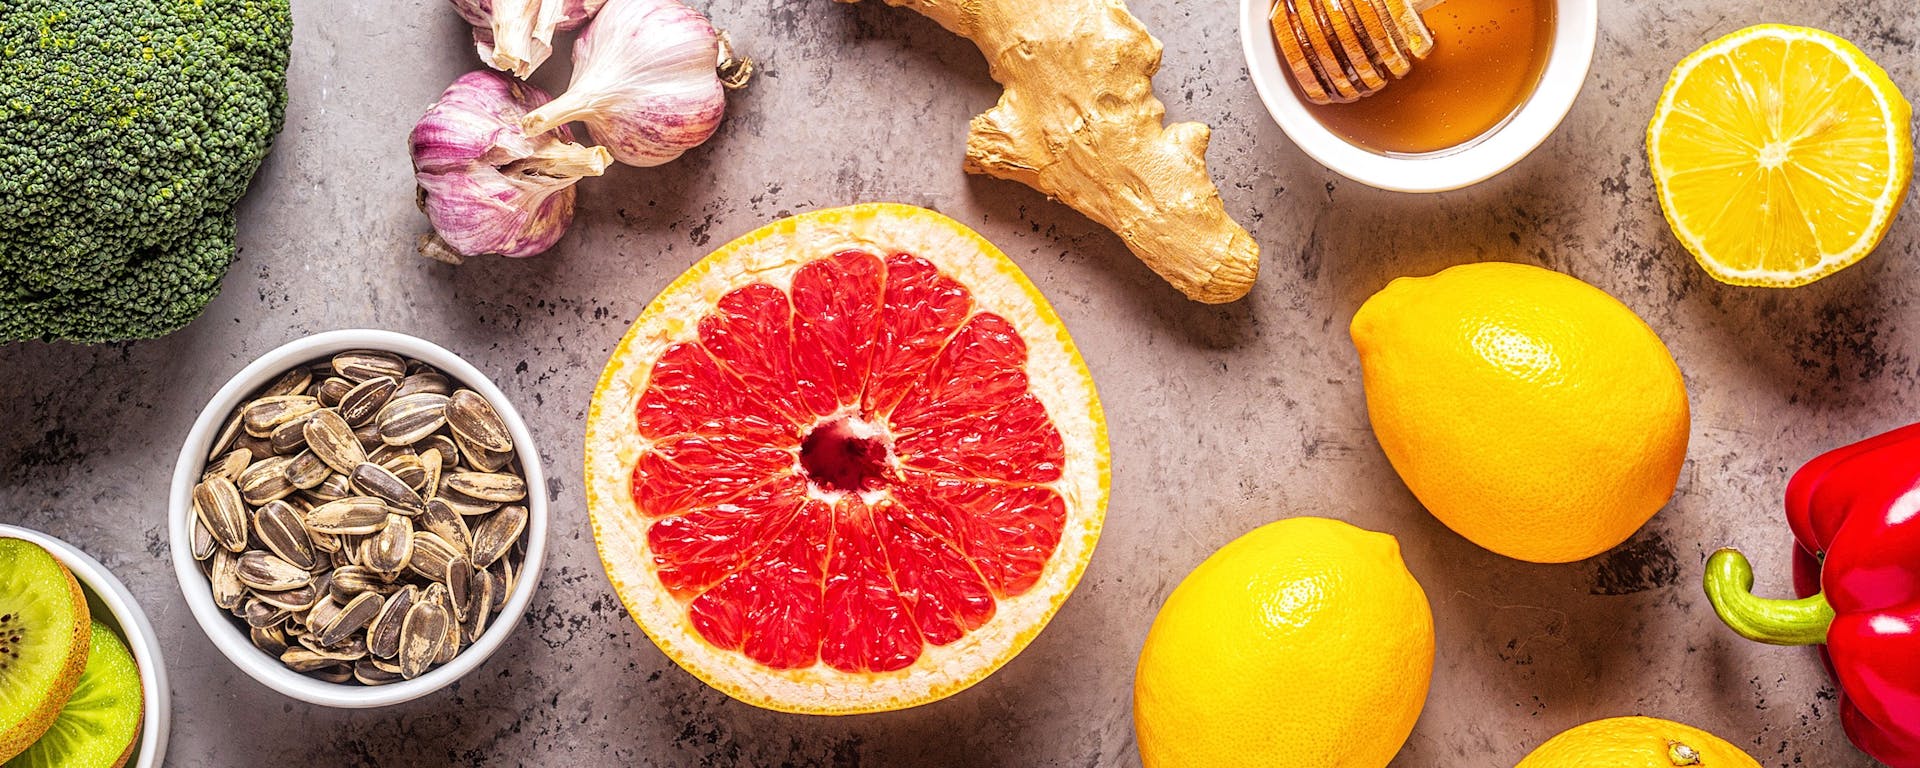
<point>1222,418</point>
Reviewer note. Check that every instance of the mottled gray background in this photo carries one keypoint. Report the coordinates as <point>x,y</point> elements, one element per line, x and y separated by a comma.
<point>1222,418</point>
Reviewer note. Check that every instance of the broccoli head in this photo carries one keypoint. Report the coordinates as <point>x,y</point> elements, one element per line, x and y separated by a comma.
<point>128,131</point>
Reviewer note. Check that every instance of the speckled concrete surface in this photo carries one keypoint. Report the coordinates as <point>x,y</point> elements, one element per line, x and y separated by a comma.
<point>1222,418</point>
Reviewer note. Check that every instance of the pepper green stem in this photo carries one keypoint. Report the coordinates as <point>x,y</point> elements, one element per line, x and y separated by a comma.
<point>1729,583</point>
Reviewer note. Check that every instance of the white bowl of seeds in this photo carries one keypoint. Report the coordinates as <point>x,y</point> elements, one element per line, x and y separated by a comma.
<point>358,518</point>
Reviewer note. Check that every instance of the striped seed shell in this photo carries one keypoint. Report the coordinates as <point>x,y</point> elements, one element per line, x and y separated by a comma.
<point>272,639</point>
<point>463,504</point>
<point>479,605</point>
<point>431,554</point>
<point>290,437</point>
<point>369,436</point>
<point>410,419</point>
<point>330,390</point>
<point>307,470</point>
<point>351,515</point>
<point>383,633</point>
<point>440,520</point>
<point>452,645</point>
<point>322,612</point>
<point>424,382</point>
<point>223,572</point>
<point>218,505</point>
<point>262,614</point>
<point>260,417</point>
<point>322,542</point>
<point>201,541</point>
<point>422,636</point>
<point>264,570</point>
<point>303,660</point>
<point>359,404</point>
<point>486,486</point>
<point>278,526</point>
<point>352,618</point>
<point>498,532</point>
<point>481,458</point>
<point>449,453</point>
<point>473,419</point>
<point>338,674</point>
<point>368,673</point>
<point>294,600</point>
<point>266,480</point>
<point>410,469</point>
<point>430,471</point>
<point>336,487</point>
<point>352,580</point>
<point>502,573</point>
<point>389,550</point>
<point>229,465</point>
<point>228,435</point>
<point>459,583</point>
<point>293,382</point>
<point>364,364</point>
<point>331,438</point>
<point>375,480</point>
<point>351,649</point>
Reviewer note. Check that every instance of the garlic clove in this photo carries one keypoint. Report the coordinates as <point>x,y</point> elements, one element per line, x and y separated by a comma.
<point>517,35</point>
<point>486,185</point>
<point>644,82</point>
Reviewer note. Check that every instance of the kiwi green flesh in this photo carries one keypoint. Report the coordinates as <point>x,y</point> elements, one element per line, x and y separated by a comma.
<point>43,624</point>
<point>98,726</point>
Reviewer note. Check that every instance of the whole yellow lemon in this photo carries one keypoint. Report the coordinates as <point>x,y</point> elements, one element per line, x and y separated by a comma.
<point>1532,413</point>
<point>1636,742</point>
<point>1302,643</point>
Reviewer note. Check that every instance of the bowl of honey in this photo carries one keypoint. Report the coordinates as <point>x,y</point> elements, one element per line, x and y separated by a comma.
<point>1497,79</point>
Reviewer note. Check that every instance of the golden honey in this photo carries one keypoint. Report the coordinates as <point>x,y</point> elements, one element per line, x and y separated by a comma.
<point>1487,57</point>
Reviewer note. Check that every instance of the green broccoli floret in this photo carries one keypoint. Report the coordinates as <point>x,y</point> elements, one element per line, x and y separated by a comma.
<point>128,131</point>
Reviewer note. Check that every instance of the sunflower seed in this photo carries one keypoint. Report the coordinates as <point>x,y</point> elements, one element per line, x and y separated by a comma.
<point>364,364</point>
<point>368,673</point>
<point>479,605</point>
<point>260,417</point>
<point>229,465</point>
<point>330,390</point>
<point>307,470</point>
<point>290,437</point>
<point>473,419</point>
<point>459,583</point>
<point>410,469</point>
<point>374,480</point>
<point>352,648</point>
<point>352,617</point>
<point>201,542</point>
<point>223,571</point>
<point>424,382</point>
<point>337,674</point>
<point>351,581</point>
<point>300,659</point>
<point>266,480</point>
<point>486,486</point>
<point>449,453</point>
<point>438,592</point>
<point>322,612</point>
<point>409,419</point>
<point>481,458</point>
<point>218,505</point>
<point>390,549</point>
<point>383,633</point>
<point>331,438</point>
<point>359,404</point>
<point>384,453</point>
<point>430,556</point>
<point>440,520</point>
<point>429,473</point>
<point>261,614</point>
<point>336,487</point>
<point>278,527</point>
<point>423,635</point>
<point>225,439</point>
<point>292,382</point>
<point>351,515</point>
<point>502,573</point>
<point>462,504</point>
<point>272,639</point>
<point>294,600</point>
<point>322,542</point>
<point>369,436</point>
<point>495,534</point>
<point>266,571</point>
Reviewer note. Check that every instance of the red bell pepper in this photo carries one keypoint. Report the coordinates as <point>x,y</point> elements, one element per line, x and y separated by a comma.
<point>1855,515</point>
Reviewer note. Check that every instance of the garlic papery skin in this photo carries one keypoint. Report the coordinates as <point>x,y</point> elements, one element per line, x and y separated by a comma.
<point>485,184</point>
<point>517,35</point>
<point>644,82</point>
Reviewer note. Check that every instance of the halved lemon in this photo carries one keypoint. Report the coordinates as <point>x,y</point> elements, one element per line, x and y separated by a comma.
<point>849,462</point>
<point>1780,155</point>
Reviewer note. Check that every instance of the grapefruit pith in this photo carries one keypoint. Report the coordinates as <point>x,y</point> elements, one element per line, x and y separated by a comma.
<point>849,462</point>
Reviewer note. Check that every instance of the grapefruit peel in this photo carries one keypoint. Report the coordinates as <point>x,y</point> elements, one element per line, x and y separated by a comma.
<point>1058,377</point>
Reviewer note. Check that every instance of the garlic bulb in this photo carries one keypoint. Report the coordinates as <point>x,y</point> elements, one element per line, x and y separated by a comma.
<point>644,81</point>
<point>488,186</point>
<point>517,35</point>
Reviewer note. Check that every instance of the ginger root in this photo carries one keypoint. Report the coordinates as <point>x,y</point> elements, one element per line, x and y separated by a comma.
<point>1078,121</point>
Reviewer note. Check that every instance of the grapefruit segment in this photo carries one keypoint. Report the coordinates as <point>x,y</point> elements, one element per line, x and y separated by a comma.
<point>849,462</point>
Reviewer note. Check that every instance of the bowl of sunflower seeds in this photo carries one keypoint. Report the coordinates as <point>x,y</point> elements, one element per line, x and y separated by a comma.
<point>358,518</point>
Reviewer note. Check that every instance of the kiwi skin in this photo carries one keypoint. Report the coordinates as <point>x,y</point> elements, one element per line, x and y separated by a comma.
<point>23,734</point>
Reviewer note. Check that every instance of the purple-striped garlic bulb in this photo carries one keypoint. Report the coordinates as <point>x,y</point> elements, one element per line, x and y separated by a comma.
<point>646,80</point>
<point>517,35</point>
<point>487,185</point>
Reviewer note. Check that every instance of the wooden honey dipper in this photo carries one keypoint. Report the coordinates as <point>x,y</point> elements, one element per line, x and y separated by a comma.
<point>1342,50</point>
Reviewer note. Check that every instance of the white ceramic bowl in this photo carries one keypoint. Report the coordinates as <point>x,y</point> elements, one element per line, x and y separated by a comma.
<point>225,631</point>
<point>113,605</point>
<point>1576,26</point>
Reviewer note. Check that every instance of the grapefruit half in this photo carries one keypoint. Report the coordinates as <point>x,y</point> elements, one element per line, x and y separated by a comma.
<point>849,462</point>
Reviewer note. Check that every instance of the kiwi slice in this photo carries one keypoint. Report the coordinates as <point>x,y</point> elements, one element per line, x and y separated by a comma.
<point>99,725</point>
<point>43,641</point>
